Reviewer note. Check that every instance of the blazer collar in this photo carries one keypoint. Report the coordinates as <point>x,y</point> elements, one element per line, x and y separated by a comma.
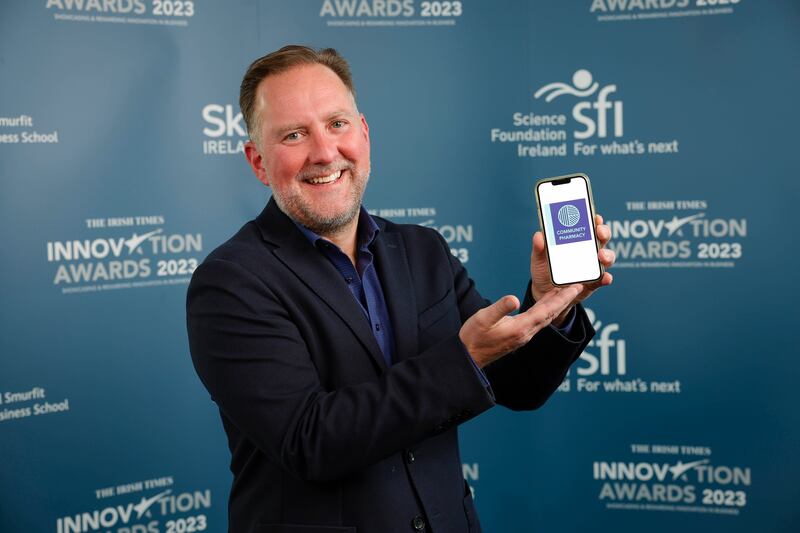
<point>294,250</point>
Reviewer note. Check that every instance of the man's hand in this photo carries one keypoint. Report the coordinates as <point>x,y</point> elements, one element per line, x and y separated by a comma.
<point>491,333</point>
<point>540,272</point>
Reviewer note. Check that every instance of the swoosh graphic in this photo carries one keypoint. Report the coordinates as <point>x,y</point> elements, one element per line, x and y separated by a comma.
<point>676,223</point>
<point>426,223</point>
<point>146,503</point>
<point>558,88</point>
<point>136,241</point>
<point>681,468</point>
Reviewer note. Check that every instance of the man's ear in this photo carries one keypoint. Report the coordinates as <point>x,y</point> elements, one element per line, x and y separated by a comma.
<point>256,161</point>
<point>365,127</point>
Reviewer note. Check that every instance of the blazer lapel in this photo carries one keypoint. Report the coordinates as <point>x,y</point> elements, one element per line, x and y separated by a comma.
<point>395,277</point>
<point>317,273</point>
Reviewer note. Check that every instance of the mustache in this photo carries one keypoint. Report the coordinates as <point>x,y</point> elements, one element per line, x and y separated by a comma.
<point>316,171</point>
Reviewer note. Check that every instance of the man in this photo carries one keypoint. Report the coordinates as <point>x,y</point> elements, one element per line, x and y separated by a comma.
<point>343,350</point>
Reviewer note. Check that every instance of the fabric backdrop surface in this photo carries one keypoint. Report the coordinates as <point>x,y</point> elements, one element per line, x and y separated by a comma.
<point>121,168</point>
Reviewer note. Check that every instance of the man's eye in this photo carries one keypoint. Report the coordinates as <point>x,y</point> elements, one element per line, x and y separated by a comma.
<point>292,136</point>
<point>338,124</point>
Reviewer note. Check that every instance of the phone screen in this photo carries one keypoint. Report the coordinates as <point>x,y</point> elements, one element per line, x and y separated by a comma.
<point>568,225</point>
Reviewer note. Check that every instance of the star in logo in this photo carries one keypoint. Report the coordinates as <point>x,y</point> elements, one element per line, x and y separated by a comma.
<point>136,240</point>
<point>676,223</point>
<point>680,468</point>
<point>146,503</point>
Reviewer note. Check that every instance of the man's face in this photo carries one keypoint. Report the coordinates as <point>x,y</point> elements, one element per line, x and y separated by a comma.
<point>313,147</point>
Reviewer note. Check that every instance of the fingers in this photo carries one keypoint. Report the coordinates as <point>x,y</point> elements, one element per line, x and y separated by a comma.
<point>606,257</point>
<point>497,311</point>
<point>553,303</point>
<point>606,279</point>
<point>538,244</point>
<point>602,231</point>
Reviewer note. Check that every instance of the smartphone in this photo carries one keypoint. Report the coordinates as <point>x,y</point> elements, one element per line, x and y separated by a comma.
<point>566,216</point>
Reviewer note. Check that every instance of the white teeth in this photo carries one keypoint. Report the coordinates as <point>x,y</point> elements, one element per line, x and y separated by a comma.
<point>326,179</point>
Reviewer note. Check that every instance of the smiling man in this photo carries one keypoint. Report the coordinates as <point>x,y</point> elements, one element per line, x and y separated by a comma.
<point>344,350</point>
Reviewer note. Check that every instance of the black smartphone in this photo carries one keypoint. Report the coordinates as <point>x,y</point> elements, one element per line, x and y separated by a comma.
<point>566,216</point>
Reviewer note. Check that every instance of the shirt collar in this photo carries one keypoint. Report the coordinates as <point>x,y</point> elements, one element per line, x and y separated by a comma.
<point>365,234</point>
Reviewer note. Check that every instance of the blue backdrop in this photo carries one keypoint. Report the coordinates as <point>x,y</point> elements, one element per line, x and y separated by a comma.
<point>121,168</point>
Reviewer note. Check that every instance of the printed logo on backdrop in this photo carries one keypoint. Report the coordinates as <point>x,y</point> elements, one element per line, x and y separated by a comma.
<point>579,118</point>
<point>390,13</point>
<point>147,506</point>
<point>603,366</point>
<point>471,474</point>
<point>671,478</point>
<point>458,236</point>
<point>20,129</point>
<point>16,405</point>
<point>135,12</point>
<point>224,130</point>
<point>676,234</point>
<point>637,10</point>
<point>123,253</point>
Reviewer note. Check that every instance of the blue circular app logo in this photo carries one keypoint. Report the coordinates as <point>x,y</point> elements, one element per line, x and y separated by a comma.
<point>569,215</point>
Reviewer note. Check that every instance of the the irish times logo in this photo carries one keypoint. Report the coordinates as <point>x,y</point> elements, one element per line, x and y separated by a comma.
<point>671,478</point>
<point>147,506</point>
<point>125,12</point>
<point>683,233</point>
<point>460,237</point>
<point>390,13</point>
<point>580,117</point>
<point>648,10</point>
<point>123,253</point>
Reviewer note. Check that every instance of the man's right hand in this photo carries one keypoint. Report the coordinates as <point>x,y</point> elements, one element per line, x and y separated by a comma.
<point>491,333</point>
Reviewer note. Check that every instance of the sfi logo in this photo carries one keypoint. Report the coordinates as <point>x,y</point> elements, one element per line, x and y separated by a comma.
<point>602,362</point>
<point>592,114</point>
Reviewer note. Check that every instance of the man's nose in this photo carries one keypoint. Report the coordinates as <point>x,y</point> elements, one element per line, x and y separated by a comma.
<point>324,149</point>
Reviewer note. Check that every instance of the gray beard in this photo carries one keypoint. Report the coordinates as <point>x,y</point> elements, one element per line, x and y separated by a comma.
<point>323,225</point>
<point>300,212</point>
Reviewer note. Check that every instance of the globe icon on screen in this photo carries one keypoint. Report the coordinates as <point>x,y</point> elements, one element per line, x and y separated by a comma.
<point>569,215</point>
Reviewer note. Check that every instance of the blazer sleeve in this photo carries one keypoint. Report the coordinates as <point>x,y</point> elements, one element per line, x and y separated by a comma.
<point>252,359</point>
<point>527,377</point>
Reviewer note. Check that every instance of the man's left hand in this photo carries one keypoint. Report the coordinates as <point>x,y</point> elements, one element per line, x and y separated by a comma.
<point>540,272</point>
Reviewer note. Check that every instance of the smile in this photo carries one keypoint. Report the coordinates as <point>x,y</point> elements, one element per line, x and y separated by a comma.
<point>325,179</point>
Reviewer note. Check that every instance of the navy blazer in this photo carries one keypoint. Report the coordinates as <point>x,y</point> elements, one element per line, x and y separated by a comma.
<point>323,436</point>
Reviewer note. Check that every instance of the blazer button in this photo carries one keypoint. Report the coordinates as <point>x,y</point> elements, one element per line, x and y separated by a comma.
<point>410,456</point>
<point>418,523</point>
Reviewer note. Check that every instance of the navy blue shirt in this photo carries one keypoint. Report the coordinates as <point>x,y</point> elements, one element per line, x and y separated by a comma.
<point>361,279</point>
<point>364,285</point>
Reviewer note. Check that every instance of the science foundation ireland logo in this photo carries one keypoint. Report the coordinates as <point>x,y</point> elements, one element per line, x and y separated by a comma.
<point>579,118</point>
<point>606,368</point>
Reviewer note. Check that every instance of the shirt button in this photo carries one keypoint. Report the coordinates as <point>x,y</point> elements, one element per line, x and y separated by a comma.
<point>418,523</point>
<point>410,456</point>
<point>348,279</point>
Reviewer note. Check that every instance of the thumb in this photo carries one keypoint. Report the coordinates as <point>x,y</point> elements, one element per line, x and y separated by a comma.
<point>501,308</point>
<point>538,244</point>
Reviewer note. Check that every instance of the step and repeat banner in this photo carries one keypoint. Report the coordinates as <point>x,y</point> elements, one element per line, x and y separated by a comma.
<point>122,167</point>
